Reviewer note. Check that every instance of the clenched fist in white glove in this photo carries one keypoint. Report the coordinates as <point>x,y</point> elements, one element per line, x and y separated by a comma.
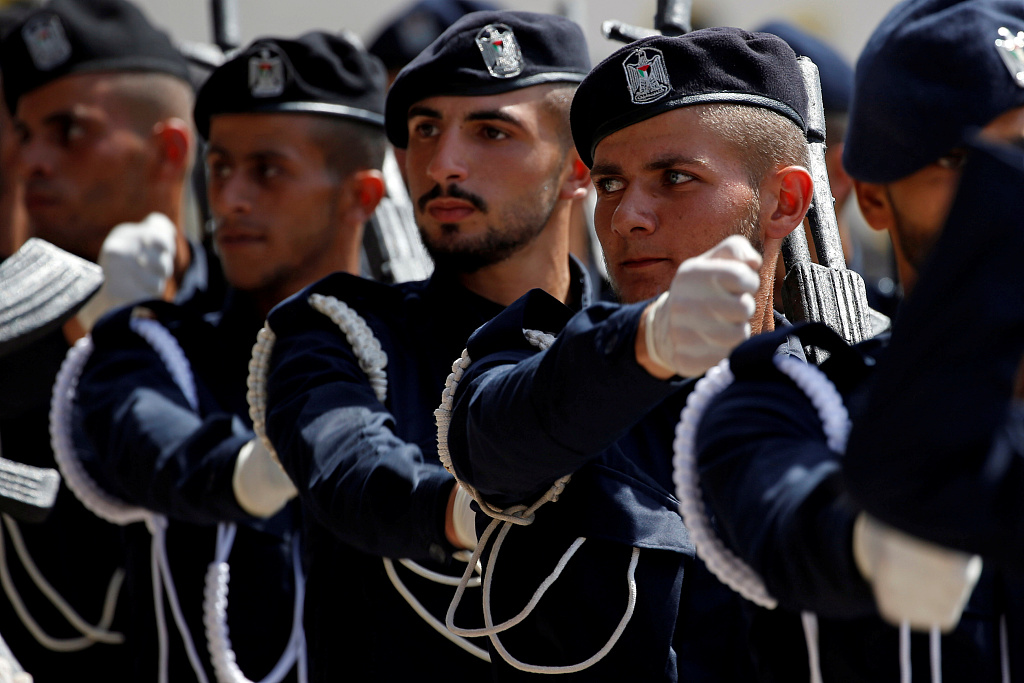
<point>137,260</point>
<point>706,311</point>
<point>913,580</point>
<point>261,486</point>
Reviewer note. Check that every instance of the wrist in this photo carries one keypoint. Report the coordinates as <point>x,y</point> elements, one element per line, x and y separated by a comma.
<point>646,355</point>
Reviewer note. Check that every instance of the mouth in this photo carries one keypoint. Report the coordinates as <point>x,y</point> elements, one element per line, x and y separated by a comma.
<point>238,237</point>
<point>37,201</point>
<point>642,263</point>
<point>449,210</point>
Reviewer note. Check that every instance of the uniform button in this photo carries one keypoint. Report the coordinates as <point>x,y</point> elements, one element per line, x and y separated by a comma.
<point>613,341</point>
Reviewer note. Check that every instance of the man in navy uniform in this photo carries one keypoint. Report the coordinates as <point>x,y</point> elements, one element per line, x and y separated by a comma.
<point>482,115</point>
<point>295,143</point>
<point>766,470</point>
<point>101,102</point>
<point>697,150</point>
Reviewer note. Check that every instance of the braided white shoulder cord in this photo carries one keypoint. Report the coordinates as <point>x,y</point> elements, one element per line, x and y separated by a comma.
<point>373,362</point>
<point>729,568</point>
<point>215,617</point>
<point>518,515</point>
<point>108,507</point>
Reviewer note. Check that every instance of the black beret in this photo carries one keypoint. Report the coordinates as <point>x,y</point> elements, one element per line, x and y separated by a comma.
<point>316,73</point>
<point>931,73</point>
<point>660,73</point>
<point>77,36</point>
<point>486,53</point>
<point>418,26</point>
<point>835,72</point>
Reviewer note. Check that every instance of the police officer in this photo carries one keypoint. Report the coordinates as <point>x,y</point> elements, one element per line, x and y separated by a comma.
<point>295,143</point>
<point>697,149</point>
<point>788,514</point>
<point>483,116</point>
<point>101,103</point>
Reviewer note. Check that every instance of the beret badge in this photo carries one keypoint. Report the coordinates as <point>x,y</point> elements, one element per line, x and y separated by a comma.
<point>1011,49</point>
<point>646,75</point>
<point>46,41</point>
<point>500,50</point>
<point>266,74</point>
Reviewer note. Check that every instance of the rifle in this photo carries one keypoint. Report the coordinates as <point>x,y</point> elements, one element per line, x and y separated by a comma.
<point>826,291</point>
<point>41,287</point>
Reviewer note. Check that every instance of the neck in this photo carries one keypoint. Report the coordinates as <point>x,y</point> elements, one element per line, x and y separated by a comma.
<point>764,314</point>
<point>543,263</point>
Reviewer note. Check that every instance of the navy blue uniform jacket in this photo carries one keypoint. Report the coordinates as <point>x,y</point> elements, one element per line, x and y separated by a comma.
<point>145,445</point>
<point>76,551</point>
<point>368,474</point>
<point>524,418</point>
<point>939,447</point>
<point>776,493</point>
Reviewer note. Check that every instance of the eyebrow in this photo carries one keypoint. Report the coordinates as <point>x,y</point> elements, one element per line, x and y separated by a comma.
<point>494,115</point>
<point>484,115</point>
<point>417,110</point>
<point>660,163</point>
<point>216,150</point>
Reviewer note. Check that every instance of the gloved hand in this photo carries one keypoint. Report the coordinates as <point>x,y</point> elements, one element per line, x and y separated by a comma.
<point>261,486</point>
<point>913,580</point>
<point>137,260</point>
<point>706,311</point>
<point>463,519</point>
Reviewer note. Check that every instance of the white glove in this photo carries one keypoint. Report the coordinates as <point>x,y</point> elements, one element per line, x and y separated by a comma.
<point>913,580</point>
<point>261,485</point>
<point>464,519</point>
<point>137,260</point>
<point>706,311</point>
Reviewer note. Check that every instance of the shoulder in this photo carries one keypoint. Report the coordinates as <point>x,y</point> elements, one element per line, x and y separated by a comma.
<point>366,297</point>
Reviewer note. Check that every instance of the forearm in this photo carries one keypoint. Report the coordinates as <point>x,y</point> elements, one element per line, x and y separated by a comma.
<point>148,447</point>
<point>771,483</point>
<point>518,426</point>
<point>354,474</point>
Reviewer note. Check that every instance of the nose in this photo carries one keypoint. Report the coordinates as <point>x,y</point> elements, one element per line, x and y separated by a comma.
<point>635,213</point>
<point>230,195</point>
<point>449,161</point>
<point>35,158</point>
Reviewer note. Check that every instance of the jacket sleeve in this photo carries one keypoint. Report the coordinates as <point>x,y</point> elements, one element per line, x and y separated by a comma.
<point>339,445</point>
<point>145,444</point>
<point>771,485</point>
<point>938,447</point>
<point>523,418</point>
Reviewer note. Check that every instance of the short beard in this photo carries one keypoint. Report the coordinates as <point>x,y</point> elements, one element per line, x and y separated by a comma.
<point>517,227</point>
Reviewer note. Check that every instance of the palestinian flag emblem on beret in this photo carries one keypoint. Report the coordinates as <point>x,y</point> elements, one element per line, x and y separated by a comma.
<point>266,74</point>
<point>500,50</point>
<point>646,75</point>
<point>46,42</point>
<point>1011,49</point>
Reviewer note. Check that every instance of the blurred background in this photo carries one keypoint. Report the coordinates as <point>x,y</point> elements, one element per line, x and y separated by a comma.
<point>844,25</point>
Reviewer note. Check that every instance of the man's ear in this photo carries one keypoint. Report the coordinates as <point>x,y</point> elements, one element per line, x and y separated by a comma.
<point>794,190</point>
<point>173,138</point>
<point>367,188</point>
<point>875,206</point>
<point>577,183</point>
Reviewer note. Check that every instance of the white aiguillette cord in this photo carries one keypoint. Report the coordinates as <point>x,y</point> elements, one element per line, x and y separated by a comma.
<point>519,515</point>
<point>722,562</point>
<point>373,362</point>
<point>106,506</point>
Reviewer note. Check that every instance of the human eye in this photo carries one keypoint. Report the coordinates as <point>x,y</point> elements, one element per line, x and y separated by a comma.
<point>425,129</point>
<point>609,184</point>
<point>492,133</point>
<point>70,131</point>
<point>677,177</point>
<point>266,171</point>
